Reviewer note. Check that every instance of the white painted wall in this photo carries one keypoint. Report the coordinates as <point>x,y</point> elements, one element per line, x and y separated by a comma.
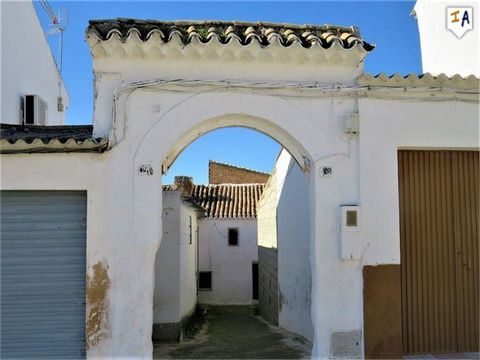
<point>385,127</point>
<point>442,51</point>
<point>175,293</point>
<point>28,66</point>
<point>184,111</point>
<point>124,214</point>
<point>284,223</point>
<point>267,213</point>
<point>231,266</point>
<point>188,260</point>
<point>124,223</point>
<point>125,230</point>
<point>166,298</point>
<point>293,227</point>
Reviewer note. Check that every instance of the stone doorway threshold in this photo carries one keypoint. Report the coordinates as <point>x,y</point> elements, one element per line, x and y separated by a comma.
<point>451,356</point>
<point>235,332</point>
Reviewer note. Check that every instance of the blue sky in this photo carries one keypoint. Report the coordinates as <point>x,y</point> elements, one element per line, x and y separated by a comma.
<point>387,24</point>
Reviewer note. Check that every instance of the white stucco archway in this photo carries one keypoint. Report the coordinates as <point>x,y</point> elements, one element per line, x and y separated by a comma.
<point>240,120</point>
<point>309,131</point>
<point>169,89</point>
<point>185,123</point>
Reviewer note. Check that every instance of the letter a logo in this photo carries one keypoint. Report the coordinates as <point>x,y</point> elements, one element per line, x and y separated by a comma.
<point>459,20</point>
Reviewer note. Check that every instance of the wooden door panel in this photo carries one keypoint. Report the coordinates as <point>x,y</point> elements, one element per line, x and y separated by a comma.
<point>438,195</point>
<point>465,204</point>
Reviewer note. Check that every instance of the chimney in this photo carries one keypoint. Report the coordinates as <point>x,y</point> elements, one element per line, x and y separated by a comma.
<point>184,184</point>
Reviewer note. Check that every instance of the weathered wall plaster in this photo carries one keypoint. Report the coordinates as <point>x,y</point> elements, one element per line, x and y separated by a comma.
<point>98,287</point>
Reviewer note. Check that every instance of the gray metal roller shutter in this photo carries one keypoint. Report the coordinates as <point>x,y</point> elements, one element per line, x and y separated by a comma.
<point>43,251</point>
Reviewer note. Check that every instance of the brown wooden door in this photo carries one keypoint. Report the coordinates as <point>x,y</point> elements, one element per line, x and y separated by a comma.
<point>439,239</point>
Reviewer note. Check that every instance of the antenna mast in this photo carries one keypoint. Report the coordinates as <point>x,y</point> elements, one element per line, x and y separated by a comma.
<point>57,26</point>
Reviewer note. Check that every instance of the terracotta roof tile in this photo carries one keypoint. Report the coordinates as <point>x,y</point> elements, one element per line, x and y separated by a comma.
<point>224,32</point>
<point>232,201</point>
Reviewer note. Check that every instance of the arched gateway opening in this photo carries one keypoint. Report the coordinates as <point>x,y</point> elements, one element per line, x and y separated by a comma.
<point>248,113</point>
<point>222,262</point>
<point>170,85</point>
<point>297,131</point>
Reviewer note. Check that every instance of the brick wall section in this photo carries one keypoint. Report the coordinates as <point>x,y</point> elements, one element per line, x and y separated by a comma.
<point>268,283</point>
<point>219,173</point>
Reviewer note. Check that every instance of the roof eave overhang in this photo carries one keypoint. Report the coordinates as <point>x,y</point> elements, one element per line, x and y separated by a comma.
<point>426,81</point>
<point>53,146</point>
<point>425,87</point>
<point>155,48</point>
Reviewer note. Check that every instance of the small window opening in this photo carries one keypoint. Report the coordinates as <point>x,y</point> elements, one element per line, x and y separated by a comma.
<point>205,280</point>
<point>232,237</point>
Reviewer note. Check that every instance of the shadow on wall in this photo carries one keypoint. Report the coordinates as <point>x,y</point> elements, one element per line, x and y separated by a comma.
<point>268,283</point>
<point>294,270</point>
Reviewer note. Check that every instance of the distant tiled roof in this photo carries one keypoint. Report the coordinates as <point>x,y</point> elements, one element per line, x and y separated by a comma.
<point>233,201</point>
<point>223,32</point>
<point>39,138</point>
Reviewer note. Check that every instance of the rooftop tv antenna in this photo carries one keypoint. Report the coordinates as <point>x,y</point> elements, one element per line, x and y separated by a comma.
<point>57,25</point>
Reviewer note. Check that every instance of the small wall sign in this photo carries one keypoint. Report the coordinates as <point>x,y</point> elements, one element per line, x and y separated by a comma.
<point>145,170</point>
<point>326,171</point>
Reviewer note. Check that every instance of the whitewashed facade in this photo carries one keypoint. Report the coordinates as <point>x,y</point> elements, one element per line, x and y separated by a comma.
<point>299,96</point>
<point>231,266</point>
<point>283,228</point>
<point>176,265</point>
<point>28,66</point>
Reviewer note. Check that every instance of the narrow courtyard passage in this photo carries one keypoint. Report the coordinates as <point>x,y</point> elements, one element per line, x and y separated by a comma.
<point>235,332</point>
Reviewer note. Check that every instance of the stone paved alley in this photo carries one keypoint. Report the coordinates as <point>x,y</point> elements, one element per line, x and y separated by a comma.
<point>234,332</point>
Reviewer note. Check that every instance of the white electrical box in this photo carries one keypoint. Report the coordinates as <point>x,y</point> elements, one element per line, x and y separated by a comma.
<point>352,123</point>
<point>350,246</point>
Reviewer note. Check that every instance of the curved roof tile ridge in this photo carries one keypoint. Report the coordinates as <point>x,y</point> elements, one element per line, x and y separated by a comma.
<point>58,138</point>
<point>205,31</point>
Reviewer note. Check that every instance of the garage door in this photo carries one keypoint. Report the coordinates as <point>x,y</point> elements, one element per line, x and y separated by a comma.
<point>43,243</point>
<point>439,232</point>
